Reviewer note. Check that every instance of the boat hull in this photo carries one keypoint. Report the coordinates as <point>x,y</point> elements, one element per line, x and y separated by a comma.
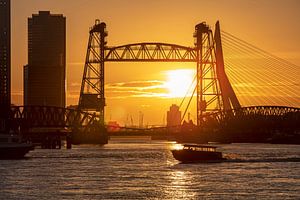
<point>15,152</point>
<point>187,156</point>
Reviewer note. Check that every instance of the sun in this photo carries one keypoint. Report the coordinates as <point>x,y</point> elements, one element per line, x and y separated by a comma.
<point>179,82</point>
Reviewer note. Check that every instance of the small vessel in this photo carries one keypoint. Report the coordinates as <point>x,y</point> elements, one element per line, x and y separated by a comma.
<point>12,147</point>
<point>197,153</point>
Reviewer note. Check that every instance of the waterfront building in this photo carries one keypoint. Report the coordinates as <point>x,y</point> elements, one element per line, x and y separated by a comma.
<point>174,117</point>
<point>44,75</point>
<point>5,45</point>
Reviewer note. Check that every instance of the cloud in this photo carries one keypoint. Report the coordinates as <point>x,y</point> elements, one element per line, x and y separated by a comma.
<point>120,90</point>
<point>137,84</point>
<point>152,88</point>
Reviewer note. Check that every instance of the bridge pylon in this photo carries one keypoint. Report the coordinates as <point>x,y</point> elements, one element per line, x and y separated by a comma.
<point>208,92</point>
<point>229,99</point>
<point>92,88</point>
<point>214,91</point>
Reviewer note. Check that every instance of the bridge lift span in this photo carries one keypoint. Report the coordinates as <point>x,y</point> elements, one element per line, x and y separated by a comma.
<point>214,92</point>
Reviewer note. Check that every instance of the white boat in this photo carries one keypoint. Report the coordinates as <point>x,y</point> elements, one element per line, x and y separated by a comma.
<point>12,147</point>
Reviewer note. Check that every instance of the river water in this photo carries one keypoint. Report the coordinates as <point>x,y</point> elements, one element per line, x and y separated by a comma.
<point>149,171</point>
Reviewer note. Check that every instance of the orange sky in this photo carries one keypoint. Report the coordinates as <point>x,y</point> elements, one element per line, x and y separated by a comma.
<point>270,24</point>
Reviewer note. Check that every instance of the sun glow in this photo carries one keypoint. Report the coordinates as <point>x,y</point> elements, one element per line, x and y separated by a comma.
<point>179,82</point>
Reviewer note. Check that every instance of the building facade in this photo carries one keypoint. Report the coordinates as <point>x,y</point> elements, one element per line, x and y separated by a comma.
<point>174,117</point>
<point>45,73</point>
<point>5,45</point>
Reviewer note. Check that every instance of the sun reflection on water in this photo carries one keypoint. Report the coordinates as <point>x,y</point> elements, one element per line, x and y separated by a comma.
<point>180,185</point>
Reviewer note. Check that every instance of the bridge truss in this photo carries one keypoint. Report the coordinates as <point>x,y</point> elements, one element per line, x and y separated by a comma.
<point>214,92</point>
<point>256,124</point>
<point>254,111</point>
<point>216,100</point>
<point>24,118</point>
<point>150,52</point>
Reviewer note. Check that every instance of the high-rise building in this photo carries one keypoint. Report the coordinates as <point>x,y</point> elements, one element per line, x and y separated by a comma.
<point>44,76</point>
<point>4,58</point>
<point>174,117</point>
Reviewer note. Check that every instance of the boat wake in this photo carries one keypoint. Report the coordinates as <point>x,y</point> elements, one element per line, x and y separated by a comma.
<point>262,160</point>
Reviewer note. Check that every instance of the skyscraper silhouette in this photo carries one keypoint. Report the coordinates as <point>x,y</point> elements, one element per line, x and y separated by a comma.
<point>4,56</point>
<point>44,76</point>
<point>174,116</point>
<point>5,44</point>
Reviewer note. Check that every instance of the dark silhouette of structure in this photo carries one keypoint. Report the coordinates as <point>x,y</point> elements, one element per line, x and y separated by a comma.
<point>92,86</point>
<point>44,76</point>
<point>5,44</point>
<point>174,117</point>
<point>214,92</point>
<point>220,116</point>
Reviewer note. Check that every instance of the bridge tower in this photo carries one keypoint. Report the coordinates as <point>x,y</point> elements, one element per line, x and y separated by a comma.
<point>208,90</point>
<point>92,88</point>
<point>229,99</point>
<point>214,91</point>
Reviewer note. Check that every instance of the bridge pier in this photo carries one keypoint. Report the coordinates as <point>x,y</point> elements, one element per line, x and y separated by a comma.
<point>69,142</point>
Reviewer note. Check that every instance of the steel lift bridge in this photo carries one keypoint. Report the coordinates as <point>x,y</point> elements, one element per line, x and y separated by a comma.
<point>214,92</point>
<point>217,103</point>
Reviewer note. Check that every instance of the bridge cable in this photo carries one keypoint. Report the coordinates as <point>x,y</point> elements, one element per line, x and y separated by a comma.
<point>187,92</point>
<point>276,74</point>
<point>256,75</point>
<point>268,57</point>
<point>188,105</point>
<point>261,51</point>
<point>256,62</point>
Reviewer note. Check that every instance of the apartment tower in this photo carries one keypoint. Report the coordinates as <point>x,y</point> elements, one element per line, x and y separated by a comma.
<point>5,98</point>
<point>45,73</point>
<point>4,58</point>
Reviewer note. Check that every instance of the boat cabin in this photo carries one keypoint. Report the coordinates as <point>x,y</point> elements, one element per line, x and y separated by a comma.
<point>194,147</point>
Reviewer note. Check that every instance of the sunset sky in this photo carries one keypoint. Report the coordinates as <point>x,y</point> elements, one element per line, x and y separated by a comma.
<point>272,25</point>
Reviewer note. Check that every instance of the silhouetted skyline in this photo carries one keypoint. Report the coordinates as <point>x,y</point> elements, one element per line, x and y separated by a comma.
<point>260,23</point>
<point>5,61</point>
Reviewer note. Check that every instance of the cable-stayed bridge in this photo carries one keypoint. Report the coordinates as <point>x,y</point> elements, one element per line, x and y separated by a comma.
<point>258,77</point>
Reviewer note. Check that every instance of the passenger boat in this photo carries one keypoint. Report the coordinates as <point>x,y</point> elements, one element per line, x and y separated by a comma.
<point>197,153</point>
<point>12,147</point>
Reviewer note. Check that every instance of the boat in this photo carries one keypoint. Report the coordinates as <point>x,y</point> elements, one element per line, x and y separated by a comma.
<point>197,153</point>
<point>12,147</point>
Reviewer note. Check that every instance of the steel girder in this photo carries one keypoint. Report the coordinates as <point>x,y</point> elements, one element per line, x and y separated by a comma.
<point>26,117</point>
<point>256,112</point>
<point>150,52</point>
